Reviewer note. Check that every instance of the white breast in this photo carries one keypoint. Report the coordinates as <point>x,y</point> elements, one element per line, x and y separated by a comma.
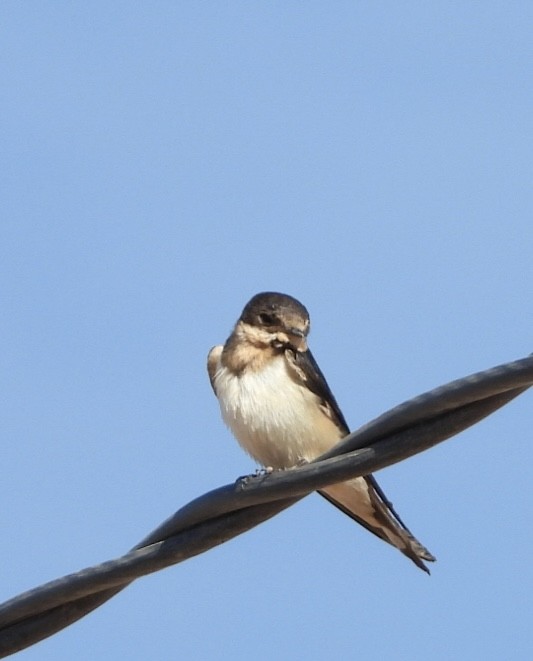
<point>276,420</point>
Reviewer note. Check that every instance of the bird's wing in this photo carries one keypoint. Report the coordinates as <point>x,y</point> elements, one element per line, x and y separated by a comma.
<point>311,375</point>
<point>361,498</point>
<point>213,359</point>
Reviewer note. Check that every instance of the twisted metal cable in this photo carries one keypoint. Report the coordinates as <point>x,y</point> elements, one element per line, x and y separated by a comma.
<point>228,511</point>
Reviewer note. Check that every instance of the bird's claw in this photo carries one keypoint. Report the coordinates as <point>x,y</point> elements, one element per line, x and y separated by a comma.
<point>259,472</point>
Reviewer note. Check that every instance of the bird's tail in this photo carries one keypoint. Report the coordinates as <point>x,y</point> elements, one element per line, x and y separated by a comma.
<point>363,500</point>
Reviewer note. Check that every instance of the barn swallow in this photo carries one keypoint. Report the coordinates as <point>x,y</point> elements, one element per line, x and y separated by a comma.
<point>277,403</point>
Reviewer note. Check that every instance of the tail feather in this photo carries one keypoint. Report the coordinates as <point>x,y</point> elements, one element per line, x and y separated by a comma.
<point>364,501</point>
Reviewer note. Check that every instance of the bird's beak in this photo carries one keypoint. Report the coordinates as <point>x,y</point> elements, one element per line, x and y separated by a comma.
<point>299,342</point>
<point>296,331</point>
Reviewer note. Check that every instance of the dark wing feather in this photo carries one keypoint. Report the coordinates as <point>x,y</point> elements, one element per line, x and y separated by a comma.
<point>316,382</point>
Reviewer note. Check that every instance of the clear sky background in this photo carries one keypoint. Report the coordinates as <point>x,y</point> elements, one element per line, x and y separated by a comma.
<point>161,163</point>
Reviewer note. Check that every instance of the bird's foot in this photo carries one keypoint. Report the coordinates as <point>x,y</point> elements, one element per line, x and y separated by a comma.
<point>259,472</point>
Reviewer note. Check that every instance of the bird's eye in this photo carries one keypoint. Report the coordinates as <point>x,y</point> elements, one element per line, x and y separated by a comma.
<point>267,319</point>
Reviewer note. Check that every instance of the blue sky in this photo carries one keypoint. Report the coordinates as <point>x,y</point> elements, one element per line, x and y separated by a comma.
<point>161,163</point>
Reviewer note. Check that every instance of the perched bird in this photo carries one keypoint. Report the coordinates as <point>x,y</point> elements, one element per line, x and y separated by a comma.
<point>277,403</point>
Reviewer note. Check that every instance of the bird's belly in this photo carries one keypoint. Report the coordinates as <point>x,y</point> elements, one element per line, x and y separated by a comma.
<point>275,419</point>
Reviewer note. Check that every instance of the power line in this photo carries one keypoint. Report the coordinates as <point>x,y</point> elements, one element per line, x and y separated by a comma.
<point>228,511</point>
